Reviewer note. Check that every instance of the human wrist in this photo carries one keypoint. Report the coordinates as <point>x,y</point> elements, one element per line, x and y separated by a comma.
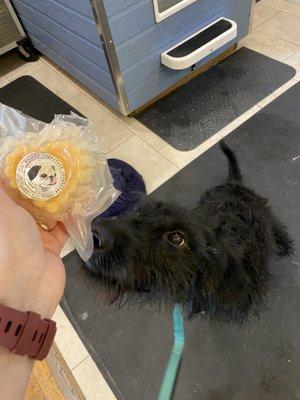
<point>44,312</point>
<point>8,357</point>
<point>27,303</point>
<point>28,291</point>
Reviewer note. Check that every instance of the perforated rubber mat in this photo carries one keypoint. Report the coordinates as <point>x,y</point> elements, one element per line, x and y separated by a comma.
<point>209,102</point>
<point>261,361</point>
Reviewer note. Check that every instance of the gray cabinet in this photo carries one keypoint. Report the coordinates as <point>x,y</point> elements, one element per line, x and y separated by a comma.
<point>116,47</point>
<point>10,29</point>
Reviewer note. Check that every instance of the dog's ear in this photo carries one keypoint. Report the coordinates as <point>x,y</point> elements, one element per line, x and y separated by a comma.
<point>32,173</point>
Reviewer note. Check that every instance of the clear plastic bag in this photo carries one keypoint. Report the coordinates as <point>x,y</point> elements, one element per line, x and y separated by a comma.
<point>56,172</point>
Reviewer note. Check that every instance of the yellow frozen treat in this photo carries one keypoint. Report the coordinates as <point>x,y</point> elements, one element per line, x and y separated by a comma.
<point>56,172</point>
<point>49,177</point>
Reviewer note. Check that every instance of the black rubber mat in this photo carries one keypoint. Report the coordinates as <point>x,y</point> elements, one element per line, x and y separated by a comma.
<point>208,103</point>
<point>261,361</point>
<point>32,98</point>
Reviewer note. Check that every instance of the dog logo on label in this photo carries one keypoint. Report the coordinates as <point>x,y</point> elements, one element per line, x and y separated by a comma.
<point>40,176</point>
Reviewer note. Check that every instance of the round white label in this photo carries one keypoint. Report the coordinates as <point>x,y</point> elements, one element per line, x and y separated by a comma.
<point>40,176</point>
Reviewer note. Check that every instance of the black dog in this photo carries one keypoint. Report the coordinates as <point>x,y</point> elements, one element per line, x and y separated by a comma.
<point>212,259</point>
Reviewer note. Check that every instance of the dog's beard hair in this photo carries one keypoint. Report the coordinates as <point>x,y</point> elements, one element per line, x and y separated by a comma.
<point>149,278</point>
<point>111,291</point>
<point>165,285</point>
<point>115,294</point>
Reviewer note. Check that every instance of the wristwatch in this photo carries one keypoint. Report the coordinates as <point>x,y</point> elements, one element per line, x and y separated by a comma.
<point>26,333</point>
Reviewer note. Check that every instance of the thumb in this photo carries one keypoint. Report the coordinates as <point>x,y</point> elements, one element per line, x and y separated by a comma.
<point>5,200</point>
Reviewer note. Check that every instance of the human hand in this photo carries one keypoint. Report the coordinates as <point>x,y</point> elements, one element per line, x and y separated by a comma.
<point>32,275</point>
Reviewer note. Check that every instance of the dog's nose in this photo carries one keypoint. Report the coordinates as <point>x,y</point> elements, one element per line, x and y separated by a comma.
<point>102,237</point>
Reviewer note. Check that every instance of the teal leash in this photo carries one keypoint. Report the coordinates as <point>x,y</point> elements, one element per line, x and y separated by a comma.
<point>168,383</point>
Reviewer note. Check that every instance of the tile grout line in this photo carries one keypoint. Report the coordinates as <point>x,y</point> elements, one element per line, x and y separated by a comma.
<point>117,145</point>
<point>292,55</point>
<point>282,11</point>
<point>77,365</point>
<point>254,28</point>
<point>272,36</point>
<point>282,60</point>
<point>147,144</point>
<point>276,37</point>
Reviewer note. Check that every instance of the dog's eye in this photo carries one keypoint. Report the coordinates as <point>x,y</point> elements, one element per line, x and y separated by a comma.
<point>176,238</point>
<point>44,176</point>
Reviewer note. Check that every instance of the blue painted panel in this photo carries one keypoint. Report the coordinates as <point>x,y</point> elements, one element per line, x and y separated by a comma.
<point>161,37</point>
<point>142,14</point>
<point>92,52</point>
<point>160,82</point>
<point>121,24</point>
<point>90,83</point>
<point>66,17</point>
<point>113,7</point>
<point>81,7</point>
<point>82,63</point>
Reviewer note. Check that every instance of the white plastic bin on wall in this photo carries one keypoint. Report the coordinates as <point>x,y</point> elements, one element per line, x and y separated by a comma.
<point>200,45</point>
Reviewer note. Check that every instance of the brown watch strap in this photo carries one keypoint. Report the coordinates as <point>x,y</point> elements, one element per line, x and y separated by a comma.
<point>25,332</point>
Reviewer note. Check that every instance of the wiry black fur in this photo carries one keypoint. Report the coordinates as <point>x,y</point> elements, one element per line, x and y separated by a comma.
<point>222,269</point>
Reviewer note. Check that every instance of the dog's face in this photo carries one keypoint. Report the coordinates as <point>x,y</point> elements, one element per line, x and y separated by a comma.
<point>164,253</point>
<point>43,175</point>
<point>154,250</point>
<point>213,258</point>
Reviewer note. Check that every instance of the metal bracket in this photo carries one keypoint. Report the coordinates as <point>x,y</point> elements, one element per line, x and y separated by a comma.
<point>106,39</point>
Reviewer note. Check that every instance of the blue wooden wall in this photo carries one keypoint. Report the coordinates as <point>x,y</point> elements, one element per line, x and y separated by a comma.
<point>65,31</point>
<point>139,40</point>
